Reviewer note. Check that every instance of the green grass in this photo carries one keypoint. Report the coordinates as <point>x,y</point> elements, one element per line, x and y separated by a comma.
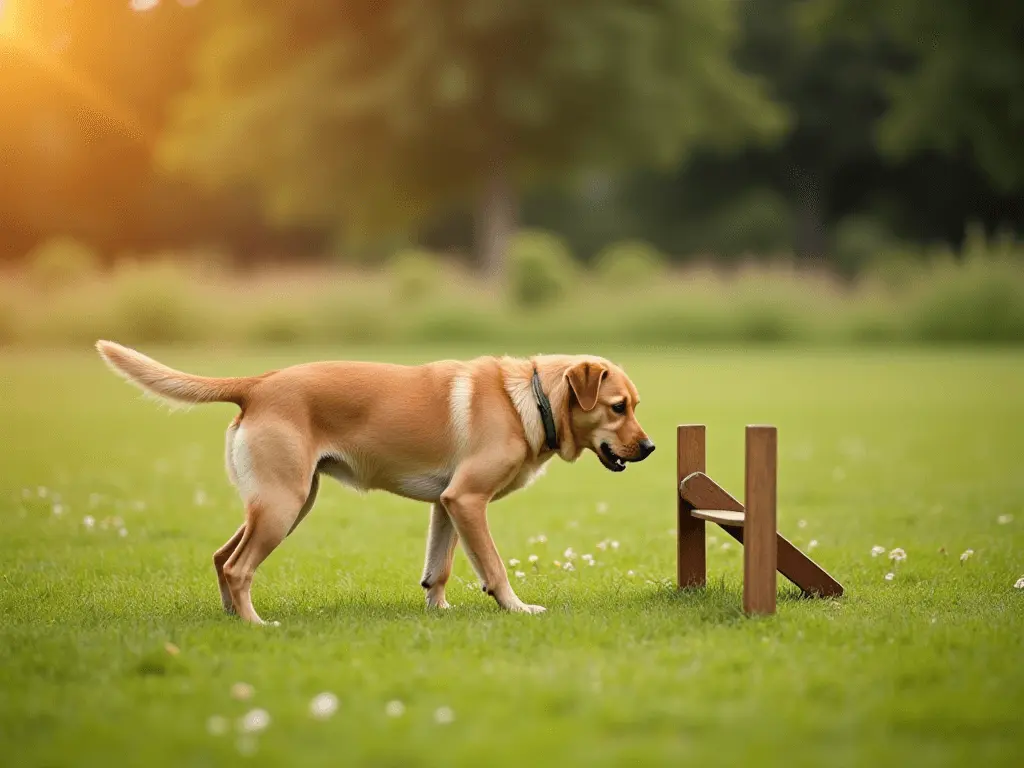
<point>914,450</point>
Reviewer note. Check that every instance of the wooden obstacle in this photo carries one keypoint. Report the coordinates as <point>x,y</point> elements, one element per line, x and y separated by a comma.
<point>765,550</point>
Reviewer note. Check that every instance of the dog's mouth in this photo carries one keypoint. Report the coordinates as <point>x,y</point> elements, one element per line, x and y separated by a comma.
<point>610,460</point>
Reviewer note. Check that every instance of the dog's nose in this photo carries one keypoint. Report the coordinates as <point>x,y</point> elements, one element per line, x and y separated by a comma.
<point>646,448</point>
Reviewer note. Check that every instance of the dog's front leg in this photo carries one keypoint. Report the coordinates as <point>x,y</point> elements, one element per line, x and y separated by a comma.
<point>466,501</point>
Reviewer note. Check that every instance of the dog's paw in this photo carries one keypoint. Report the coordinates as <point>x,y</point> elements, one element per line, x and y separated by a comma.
<point>440,605</point>
<point>520,607</point>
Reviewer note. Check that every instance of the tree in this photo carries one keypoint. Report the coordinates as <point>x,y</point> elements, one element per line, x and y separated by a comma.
<point>964,85</point>
<point>379,113</point>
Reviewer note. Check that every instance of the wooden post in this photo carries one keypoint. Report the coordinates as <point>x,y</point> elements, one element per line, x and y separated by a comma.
<point>759,543</point>
<point>691,555</point>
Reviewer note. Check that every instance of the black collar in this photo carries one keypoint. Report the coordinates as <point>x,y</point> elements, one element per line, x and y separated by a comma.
<point>546,414</point>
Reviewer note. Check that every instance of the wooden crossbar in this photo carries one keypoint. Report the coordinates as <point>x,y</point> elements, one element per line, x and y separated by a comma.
<point>701,499</point>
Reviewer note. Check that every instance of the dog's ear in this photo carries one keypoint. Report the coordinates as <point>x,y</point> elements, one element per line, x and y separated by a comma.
<point>585,379</point>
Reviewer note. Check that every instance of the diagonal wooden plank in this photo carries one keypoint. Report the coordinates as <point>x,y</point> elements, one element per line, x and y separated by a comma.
<point>701,492</point>
<point>791,562</point>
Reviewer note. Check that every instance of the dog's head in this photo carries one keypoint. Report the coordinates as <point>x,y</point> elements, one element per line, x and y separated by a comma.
<point>602,413</point>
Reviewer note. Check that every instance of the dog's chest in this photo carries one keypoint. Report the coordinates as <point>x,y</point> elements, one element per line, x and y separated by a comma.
<point>527,474</point>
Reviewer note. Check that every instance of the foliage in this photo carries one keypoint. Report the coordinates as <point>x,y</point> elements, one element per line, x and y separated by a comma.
<point>859,241</point>
<point>758,223</point>
<point>378,114</point>
<point>542,268</point>
<point>61,262</point>
<point>629,264</point>
<point>153,303</point>
<point>415,274</point>
<point>962,85</point>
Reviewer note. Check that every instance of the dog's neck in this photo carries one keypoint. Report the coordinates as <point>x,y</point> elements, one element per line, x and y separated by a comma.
<point>518,375</point>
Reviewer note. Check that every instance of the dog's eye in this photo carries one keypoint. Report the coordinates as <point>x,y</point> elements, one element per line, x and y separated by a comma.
<point>619,407</point>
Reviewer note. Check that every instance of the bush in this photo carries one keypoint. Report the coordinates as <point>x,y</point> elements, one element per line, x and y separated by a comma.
<point>981,300</point>
<point>631,263</point>
<point>154,303</point>
<point>280,324</point>
<point>859,241</point>
<point>760,223</point>
<point>8,319</point>
<point>415,274</point>
<point>541,266</point>
<point>61,262</point>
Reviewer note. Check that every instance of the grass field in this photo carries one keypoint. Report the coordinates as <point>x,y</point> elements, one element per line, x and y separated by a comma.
<point>911,450</point>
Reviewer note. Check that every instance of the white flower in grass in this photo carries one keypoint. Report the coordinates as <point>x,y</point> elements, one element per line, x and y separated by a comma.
<point>812,544</point>
<point>1019,584</point>
<point>520,575</point>
<point>444,715</point>
<point>1004,519</point>
<point>602,507</point>
<point>323,705</point>
<point>615,545</point>
<point>123,532</point>
<point>877,550</point>
<point>254,721</point>
<point>602,545</point>
<point>58,510</point>
<point>631,574</point>
<point>42,492</point>
<point>199,497</point>
<point>557,563</point>
<point>242,691</point>
<point>587,557</point>
<point>569,554</point>
<point>890,576</point>
<point>727,545</point>
<point>533,559</point>
<point>898,555</point>
<point>394,708</point>
<point>966,555</point>
<point>217,725</point>
<point>89,521</point>
<point>568,567</point>
<point>801,524</point>
<point>513,561</point>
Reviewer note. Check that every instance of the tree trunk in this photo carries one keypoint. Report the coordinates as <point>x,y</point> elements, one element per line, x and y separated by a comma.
<point>496,215</point>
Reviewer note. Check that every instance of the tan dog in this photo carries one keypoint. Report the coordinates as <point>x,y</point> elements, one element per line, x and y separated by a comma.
<point>455,434</point>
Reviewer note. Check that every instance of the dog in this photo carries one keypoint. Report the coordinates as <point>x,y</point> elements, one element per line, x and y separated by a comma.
<point>454,434</point>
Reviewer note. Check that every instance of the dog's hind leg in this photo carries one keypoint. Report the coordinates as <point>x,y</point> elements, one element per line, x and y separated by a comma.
<point>220,557</point>
<point>441,542</point>
<point>276,476</point>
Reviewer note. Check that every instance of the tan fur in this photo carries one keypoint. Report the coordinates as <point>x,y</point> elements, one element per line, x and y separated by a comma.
<point>454,434</point>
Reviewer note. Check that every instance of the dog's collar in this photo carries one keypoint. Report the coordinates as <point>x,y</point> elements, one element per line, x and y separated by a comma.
<point>546,414</point>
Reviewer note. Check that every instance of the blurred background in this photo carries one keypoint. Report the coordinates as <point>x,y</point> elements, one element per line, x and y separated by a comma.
<point>535,174</point>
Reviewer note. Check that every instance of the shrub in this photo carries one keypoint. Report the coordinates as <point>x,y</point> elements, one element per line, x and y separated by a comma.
<point>415,274</point>
<point>858,242</point>
<point>630,263</point>
<point>61,262</point>
<point>154,303</point>
<point>8,318</point>
<point>280,324</point>
<point>759,222</point>
<point>541,268</point>
<point>979,301</point>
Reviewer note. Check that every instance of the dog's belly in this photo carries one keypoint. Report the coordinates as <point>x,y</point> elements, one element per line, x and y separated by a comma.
<point>425,485</point>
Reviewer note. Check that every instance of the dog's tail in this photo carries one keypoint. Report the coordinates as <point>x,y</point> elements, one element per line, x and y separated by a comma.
<point>168,384</point>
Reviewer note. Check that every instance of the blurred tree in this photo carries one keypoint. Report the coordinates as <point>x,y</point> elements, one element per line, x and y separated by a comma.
<point>964,85</point>
<point>378,113</point>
